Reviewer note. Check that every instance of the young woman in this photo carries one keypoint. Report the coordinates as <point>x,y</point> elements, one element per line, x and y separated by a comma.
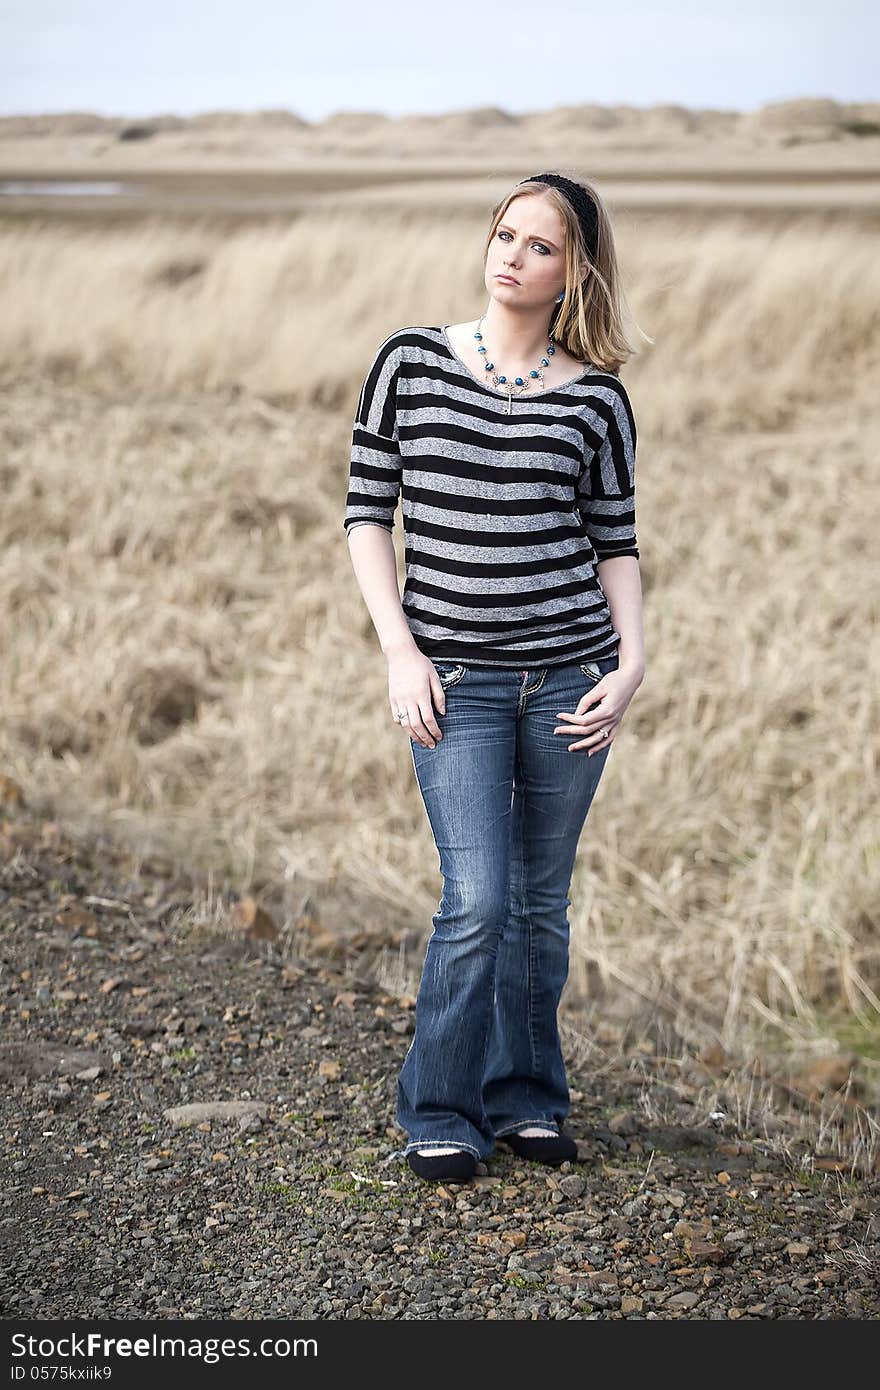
<point>514,652</point>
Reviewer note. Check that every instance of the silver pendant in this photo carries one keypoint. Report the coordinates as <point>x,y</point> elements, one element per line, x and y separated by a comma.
<point>538,376</point>
<point>521,390</point>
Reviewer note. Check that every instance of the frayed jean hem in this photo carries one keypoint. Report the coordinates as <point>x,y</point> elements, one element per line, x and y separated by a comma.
<point>441,1144</point>
<point>522,1124</point>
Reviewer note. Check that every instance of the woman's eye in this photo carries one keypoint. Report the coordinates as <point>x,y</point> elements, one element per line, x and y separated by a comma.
<point>544,248</point>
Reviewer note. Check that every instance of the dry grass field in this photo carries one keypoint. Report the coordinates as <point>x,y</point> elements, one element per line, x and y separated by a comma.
<point>188,664</point>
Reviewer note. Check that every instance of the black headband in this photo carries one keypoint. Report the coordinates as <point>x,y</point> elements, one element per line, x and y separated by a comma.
<point>581,202</point>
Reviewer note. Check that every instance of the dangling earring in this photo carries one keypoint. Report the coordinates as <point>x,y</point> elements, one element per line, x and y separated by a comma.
<point>560,297</point>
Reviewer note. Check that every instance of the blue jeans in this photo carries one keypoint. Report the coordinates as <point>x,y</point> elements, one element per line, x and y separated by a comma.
<point>507,802</point>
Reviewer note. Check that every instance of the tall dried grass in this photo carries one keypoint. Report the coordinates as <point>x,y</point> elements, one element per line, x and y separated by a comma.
<point>186,656</point>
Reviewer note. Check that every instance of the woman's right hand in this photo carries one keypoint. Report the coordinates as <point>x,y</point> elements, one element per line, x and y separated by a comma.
<point>414,687</point>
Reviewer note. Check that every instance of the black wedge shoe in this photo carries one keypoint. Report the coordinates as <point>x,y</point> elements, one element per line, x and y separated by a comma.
<point>457,1167</point>
<point>543,1148</point>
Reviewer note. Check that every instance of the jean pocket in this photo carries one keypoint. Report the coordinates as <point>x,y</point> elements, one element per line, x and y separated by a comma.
<point>591,669</point>
<point>450,673</point>
<point>595,670</point>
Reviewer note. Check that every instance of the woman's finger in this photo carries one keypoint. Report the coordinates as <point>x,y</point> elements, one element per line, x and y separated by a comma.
<point>584,723</point>
<point>417,730</point>
<point>592,735</point>
<point>426,709</point>
<point>595,743</point>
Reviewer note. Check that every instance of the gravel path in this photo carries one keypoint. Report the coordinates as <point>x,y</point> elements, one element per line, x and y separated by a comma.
<point>281,1191</point>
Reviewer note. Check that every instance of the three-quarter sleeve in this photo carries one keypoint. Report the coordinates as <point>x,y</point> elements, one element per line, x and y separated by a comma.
<point>606,489</point>
<point>375,468</point>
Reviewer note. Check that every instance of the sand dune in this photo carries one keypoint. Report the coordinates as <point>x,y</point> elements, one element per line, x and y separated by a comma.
<point>827,128</point>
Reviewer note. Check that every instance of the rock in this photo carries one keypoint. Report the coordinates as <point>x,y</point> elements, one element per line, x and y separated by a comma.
<point>572,1186</point>
<point>690,1230</point>
<point>635,1206</point>
<point>35,1059</point>
<point>531,1260</point>
<point>515,1238</point>
<point>826,1075</point>
<point>686,1299</point>
<point>705,1250</point>
<point>194,1114</point>
<point>737,1237</point>
<point>624,1122</point>
<point>831,1163</point>
<point>254,921</point>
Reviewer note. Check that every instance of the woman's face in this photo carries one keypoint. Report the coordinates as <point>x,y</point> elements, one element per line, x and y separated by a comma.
<point>528,245</point>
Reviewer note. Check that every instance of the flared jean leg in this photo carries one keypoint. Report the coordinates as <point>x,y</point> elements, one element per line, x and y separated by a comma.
<point>466,783</point>
<point>525,1078</point>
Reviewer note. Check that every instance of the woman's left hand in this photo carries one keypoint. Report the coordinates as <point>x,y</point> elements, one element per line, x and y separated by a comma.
<point>599,712</point>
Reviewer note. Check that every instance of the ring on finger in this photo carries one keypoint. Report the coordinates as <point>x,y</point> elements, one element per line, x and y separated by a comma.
<point>602,735</point>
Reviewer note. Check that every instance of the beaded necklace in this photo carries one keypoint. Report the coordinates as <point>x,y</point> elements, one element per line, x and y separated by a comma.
<point>520,383</point>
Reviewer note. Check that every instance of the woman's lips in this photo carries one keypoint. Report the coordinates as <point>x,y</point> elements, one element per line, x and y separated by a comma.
<point>508,279</point>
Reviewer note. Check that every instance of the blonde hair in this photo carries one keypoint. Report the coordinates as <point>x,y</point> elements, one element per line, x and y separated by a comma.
<point>589,321</point>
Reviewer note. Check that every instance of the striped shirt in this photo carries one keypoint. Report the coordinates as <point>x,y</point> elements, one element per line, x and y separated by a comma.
<point>505,516</point>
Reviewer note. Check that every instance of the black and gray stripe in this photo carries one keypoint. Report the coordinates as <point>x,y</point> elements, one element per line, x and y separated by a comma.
<point>505,516</point>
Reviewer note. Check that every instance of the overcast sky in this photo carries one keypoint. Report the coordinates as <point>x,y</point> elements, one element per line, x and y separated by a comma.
<point>145,57</point>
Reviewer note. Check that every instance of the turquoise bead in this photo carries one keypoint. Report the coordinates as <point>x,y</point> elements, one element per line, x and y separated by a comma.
<point>535,374</point>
